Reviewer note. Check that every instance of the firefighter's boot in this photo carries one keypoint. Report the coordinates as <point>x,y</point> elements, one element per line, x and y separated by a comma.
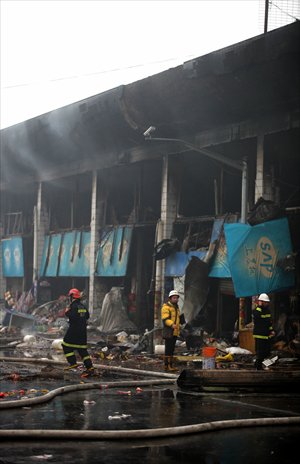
<point>71,368</point>
<point>88,372</point>
<point>171,364</point>
<point>166,363</point>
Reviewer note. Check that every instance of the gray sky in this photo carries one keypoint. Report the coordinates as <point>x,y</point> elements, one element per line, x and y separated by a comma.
<point>54,53</point>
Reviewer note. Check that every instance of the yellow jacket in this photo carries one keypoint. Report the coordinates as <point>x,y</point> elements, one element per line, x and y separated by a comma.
<point>170,315</point>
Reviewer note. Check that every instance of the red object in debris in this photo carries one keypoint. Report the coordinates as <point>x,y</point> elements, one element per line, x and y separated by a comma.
<point>138,390</point>
<point>131,297</point>
<point>120,392</point>
<point>2,395</point>
<point>15,377</point>
<point>22,392</point>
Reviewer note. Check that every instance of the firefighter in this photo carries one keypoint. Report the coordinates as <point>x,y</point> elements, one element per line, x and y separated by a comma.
<point>170,315</point>
<point>262,329</point>
<point>76,335</point>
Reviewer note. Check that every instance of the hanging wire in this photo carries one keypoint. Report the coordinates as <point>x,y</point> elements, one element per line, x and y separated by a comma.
<point>283,11</point>
<point>96,73</point>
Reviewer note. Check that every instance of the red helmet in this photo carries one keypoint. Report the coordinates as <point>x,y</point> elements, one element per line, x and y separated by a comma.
<point>75,293</point>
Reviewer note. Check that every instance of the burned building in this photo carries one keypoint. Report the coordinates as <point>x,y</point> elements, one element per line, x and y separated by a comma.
<point>91,193</point>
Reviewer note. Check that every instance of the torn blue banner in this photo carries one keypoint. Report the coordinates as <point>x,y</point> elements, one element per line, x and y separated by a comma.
<point>75,254</point>
<point>66,254</point>
<point>254,255</point>
<point>51,256</point>
<point>113,253</point>
<point>220,266</point>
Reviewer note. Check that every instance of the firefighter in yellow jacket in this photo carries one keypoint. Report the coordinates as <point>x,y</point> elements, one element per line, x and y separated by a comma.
<point>170,315</point>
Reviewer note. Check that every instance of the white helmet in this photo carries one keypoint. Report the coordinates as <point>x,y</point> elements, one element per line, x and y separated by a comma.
<point>173,293</point>
<point>264,297</point>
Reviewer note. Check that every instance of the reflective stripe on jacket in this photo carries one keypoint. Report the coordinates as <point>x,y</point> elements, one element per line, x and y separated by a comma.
<point>170,315</point>
<point>262,323</point>
<point>76,335</point>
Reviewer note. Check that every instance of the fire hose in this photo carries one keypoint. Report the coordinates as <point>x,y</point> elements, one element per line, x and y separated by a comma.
<point>123,434</point>
<point>146,433</point>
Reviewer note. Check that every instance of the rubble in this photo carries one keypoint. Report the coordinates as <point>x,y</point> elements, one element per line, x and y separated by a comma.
<point>117,343</point>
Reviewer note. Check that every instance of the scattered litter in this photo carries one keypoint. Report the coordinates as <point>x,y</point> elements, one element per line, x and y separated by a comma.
<point>122,336</point>
<point>138,390</point>
<point>228,358</point>
<point>119,416</point>
<point>29,339</point>
<point>269,362</point>
<point>159,349</point>
<point>57,344</point>
<point>237,350</point>
<point>121,392</point>
<point>41,457</point>
<point>27,354</point>
<point>89,402</point>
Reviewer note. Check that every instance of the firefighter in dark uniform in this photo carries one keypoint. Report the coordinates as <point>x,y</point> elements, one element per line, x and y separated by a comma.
<point>262,330</point>
<point>76,335</point>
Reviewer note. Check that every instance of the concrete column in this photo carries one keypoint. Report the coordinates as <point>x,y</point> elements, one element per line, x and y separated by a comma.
<point>159,281</point>
<point>259,182</point>
<point>94,242</point>
<point>164,230</point>
<point>40,228</point>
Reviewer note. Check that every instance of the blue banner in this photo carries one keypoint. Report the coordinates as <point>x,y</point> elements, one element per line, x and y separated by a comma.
<point>12,257</point>
<point>75,254</point>
<point>254,255</point>
<point>66,255</point>
<point>113,254</point>
<point>50,258</point>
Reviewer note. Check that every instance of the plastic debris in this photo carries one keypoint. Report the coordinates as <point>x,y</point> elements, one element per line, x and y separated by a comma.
<point>269,362</point>
<point>119,417</point>
<point>29,339</point>
<point>237,350</point>
<point>228,358</point>
<point>57,344</point>
<point>42,457</point>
